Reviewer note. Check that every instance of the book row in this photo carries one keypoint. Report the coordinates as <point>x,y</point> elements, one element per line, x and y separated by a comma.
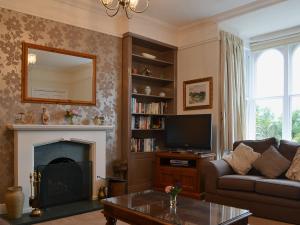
<point>147,122</point>
<point>148,108</point>
<point>142,145</point>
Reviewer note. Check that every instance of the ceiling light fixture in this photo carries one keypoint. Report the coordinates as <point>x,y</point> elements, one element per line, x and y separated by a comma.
<point>113,6</point>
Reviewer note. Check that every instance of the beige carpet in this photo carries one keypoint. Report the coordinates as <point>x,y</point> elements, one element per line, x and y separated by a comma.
<point>96,218</point>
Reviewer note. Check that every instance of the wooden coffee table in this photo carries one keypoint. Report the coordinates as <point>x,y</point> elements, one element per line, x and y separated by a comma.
<point>152,207</point>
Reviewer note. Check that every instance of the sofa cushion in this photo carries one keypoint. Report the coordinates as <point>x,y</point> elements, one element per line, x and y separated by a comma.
<point>288,149</point>
<point>241,159</point>
<point>294,171</point>
<point>258,145</point>
<point>271,163</point>
<point>238,182</point>
<point>278,187</point>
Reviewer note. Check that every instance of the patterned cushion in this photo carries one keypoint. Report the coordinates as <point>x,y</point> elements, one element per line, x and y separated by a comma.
<point>294,171</point>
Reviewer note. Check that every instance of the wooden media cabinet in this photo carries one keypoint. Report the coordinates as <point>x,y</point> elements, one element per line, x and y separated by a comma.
<point>184,168</point>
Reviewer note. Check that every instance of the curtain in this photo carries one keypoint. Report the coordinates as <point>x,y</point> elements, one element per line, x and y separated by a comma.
<point>232,91</point>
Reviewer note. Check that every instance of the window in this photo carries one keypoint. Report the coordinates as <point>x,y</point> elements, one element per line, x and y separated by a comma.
<point>273,94</point>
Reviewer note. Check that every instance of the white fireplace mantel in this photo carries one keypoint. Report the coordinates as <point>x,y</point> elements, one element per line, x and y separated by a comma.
<point>28,136</point>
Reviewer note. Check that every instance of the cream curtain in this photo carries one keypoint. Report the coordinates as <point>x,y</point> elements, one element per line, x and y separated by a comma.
<point>232,91</point>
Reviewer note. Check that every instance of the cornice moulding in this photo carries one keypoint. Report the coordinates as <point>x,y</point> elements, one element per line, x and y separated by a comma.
<point>232,13</point>
<point>198,43</point>
<point>276,35</point>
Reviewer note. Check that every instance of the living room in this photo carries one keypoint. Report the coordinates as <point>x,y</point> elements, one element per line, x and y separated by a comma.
<point>143,70</point>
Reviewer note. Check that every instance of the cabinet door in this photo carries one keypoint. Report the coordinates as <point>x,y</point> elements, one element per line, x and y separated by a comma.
<point>140,172</point>
<point>170,176</point>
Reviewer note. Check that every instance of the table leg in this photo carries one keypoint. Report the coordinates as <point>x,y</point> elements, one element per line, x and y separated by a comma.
<point>110,220</point>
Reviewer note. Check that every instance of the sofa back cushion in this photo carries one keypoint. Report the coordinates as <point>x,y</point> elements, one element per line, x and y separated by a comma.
<point>271,163</point>
<point>241,159</point>
<point>258,145</point>
<point>288,149</point>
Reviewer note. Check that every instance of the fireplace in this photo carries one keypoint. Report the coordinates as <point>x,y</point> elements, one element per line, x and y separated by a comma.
<point>66,173</point>
<point>73,148</point>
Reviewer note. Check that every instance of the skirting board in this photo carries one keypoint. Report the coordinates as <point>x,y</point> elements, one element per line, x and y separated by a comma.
<point>2,209</point>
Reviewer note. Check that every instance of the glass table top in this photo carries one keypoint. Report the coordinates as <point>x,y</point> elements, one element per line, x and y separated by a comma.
<point>188,211</point>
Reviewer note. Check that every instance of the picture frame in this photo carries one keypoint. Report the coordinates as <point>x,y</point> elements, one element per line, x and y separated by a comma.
<point>198,94</point>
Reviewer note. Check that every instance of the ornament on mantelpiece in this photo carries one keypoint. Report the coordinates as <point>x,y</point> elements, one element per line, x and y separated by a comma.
<point>98,120</point>
<point>29,119</point>
<point>45,116</point>
<point>20,118</point>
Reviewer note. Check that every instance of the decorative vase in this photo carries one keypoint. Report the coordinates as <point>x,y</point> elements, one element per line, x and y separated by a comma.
<point>69,120</point>
<point>173,201</point>
<point>14,200</point>
<point>76,120</point>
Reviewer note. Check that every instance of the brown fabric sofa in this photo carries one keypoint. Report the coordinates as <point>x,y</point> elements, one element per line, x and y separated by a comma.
<point>277,199</point>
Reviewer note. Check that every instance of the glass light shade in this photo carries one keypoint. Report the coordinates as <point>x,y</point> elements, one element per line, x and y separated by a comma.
<point>31,58</point>
<point>133,3</point>
<point>107,2</point>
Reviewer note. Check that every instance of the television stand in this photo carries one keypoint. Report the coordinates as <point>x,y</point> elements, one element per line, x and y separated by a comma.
<point>185,168</point>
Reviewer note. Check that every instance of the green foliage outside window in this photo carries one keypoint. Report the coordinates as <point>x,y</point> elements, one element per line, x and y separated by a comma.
<point>267,125</point>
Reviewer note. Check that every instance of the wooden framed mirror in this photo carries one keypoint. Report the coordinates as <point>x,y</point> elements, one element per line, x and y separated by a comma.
<point>57,76</point>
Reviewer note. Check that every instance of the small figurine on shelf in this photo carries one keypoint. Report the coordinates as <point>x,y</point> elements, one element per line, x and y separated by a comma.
<point>147,71</point>
<point>147,90</point>
<point>134,70</point>
<point>162,94</point>
<point>45,116</point>
<point>134,91</point>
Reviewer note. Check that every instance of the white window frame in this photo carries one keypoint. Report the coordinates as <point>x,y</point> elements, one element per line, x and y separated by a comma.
<point>287,53</point>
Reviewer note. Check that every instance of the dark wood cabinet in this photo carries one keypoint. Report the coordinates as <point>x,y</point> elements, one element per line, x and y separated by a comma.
<point>187,170</point>
<point>143,113</point>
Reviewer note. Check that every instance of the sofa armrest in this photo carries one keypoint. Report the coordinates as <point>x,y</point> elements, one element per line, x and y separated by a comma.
<point>214,170</point>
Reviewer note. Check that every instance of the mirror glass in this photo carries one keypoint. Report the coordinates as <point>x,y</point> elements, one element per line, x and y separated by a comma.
<point>58,76</point>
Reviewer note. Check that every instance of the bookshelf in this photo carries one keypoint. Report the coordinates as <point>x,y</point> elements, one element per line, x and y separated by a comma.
<point>144,113</point>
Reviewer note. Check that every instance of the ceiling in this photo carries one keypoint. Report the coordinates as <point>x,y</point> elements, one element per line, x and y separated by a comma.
<point>276,17</point>
<point>177,13</point>
<point>181,13</point>
<point>246,18</point>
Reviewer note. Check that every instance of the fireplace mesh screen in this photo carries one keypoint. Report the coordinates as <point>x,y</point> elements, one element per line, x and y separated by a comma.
<point>64,183</point>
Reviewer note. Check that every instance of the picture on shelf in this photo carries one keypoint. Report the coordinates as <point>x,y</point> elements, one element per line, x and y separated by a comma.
<point>197,94</point>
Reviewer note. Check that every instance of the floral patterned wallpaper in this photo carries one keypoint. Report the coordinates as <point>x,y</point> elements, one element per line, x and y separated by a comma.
<point>17,27</point>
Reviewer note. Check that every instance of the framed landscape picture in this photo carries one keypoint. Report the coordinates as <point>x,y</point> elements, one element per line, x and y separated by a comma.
<point>198,94</point>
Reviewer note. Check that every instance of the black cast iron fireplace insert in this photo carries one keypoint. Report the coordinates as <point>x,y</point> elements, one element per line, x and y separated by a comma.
<point>63,181</point>
<point>66,173</point>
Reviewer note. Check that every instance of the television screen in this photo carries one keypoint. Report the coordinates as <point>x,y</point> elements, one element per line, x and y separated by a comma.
<point>189,132</point>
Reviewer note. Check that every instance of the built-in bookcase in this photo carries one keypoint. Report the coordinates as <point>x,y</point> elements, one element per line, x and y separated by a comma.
<point>144,113</point>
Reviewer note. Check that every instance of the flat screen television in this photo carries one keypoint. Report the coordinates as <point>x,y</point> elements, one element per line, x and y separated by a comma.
<point>188,132</point>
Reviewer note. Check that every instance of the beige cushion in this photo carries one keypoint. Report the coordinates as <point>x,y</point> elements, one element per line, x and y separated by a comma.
<point>242,158</point>
<point>271,163</point>
<point>294,171</point>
